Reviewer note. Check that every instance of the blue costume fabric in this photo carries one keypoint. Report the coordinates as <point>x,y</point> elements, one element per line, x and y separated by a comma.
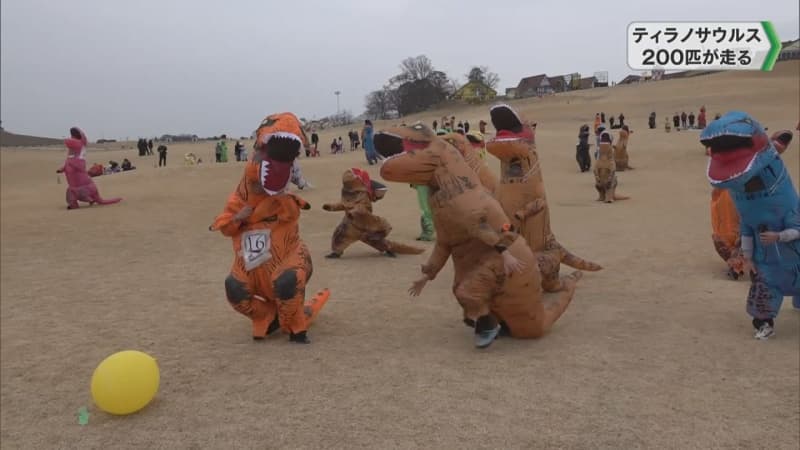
<point>766,200</point>
<point>369,145</point>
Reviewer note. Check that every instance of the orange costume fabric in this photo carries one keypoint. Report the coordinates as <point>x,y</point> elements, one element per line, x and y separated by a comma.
<point>621,149</point>
<point>470,148</point>
<point>725,231</point>
<point>473,230</point>
<point>521,193</point>
<point>271,265</point>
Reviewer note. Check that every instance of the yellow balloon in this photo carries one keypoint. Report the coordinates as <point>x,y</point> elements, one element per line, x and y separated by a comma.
<point>125,382</point>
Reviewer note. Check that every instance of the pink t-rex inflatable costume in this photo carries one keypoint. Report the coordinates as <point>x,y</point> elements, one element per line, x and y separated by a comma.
<point>79,185</point>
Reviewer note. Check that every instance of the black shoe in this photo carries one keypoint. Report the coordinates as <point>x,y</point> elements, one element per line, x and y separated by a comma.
<point>299,338</point>
<point>274,326</point>
<point>333,255</point>
<point>390,254</point>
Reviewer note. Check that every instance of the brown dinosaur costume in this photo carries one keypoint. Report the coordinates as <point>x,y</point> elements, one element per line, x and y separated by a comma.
<point>621,149</point>
<point>470,148</point>
<point>522,195</point>
<point>358,223</point>
<point>605,171</point>
<point>497,280</point>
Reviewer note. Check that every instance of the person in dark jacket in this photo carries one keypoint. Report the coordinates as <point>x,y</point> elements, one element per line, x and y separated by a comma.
<point>237,150</point>
<point>582,149</point>
<point>162,155</point>
<point>651,121</point>
<point>683,120</point>
<point>602,117</point>
<point>676,121</point>
<point>621,120</point>
<point>314,144</point>
<point>691,120</point>
<point>126,165</point>
<point>150,147</point>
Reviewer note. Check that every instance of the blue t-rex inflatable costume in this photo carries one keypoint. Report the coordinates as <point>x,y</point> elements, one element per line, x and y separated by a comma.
<point>744,161</point>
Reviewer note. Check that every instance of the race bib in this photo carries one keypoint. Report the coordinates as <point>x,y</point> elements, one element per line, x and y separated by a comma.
<point>255,248</point>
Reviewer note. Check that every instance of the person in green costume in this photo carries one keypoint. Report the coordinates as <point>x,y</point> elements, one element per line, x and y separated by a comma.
<point>426,220</point>
<point>224,152</point>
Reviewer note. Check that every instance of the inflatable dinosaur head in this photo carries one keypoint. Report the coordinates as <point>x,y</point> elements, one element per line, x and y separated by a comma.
<point>510,126</point>
<point>413,153</point>
<point>357,180</point>
<point>514,144</point>
<point>738,147</point>
<point>781,140</point>
<point>605,151</point>
<point>464,144</point>
<point>281,137</point>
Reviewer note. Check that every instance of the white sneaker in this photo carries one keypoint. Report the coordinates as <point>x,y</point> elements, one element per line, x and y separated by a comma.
<point>764,332</point>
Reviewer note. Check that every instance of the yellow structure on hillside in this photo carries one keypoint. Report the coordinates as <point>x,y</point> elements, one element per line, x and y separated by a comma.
<point>475,92</point>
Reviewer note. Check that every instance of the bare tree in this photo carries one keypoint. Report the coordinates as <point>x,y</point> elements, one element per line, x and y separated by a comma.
<point>344,117</point>
<point>482,74</point>
<point>417,87</point>
<point>413,69</point>
<point>381,104</point>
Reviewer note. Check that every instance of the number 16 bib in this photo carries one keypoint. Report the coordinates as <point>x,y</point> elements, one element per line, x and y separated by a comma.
<point>255,248</point>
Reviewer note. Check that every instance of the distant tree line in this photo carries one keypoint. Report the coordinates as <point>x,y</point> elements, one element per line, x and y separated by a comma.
<point>417,87</point>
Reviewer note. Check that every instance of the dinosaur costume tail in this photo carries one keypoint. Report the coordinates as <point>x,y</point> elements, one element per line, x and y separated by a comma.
<point>403,249</point>
<point>107,201</point>
<point>313,306</point>
<point>576,262</point>
<point>553,309</point>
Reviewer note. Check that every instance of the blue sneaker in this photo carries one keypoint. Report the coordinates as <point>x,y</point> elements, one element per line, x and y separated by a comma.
<point>485,338</point>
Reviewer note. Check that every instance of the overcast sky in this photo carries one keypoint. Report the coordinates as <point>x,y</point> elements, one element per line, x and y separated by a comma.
<point>147,67</point>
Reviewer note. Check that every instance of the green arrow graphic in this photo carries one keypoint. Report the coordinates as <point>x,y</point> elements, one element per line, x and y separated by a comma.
<point>775,46</point>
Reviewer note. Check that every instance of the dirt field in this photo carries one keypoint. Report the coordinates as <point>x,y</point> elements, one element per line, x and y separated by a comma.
<point>656,350</point>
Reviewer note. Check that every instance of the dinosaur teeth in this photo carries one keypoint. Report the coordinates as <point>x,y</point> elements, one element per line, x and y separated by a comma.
<point>733,176</point>
<point>280,134</point>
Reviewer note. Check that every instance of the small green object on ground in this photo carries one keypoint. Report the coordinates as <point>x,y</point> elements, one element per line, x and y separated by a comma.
<point>83,416</point>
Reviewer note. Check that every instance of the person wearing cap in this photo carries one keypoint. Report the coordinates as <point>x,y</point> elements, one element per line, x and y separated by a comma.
<point>476,139</point>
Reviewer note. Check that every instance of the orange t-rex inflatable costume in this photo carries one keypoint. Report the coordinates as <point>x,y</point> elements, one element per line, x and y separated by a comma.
<point>472,228</point>
<point>470,148</point>
<point>521,193</point>
<point>271,264</point>
<point>358,223</point>
<point>621,149</point>
<point>605,171</point>
<point>725,219</point>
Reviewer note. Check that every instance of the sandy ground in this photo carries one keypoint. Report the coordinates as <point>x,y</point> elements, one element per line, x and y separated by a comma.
<point>656,351</point>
